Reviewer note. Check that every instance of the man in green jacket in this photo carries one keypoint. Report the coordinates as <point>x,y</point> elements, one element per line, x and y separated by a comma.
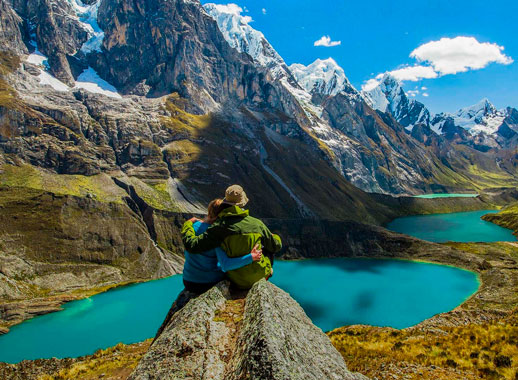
<point>237,233</point>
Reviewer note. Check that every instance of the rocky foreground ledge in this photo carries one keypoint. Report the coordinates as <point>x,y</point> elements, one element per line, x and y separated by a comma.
<point>262,335</point>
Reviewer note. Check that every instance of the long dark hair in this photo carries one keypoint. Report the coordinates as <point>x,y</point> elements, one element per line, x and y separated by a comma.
<point>215,207</point>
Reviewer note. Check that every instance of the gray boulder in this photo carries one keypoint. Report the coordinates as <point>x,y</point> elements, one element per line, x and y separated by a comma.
<point>263,335</point>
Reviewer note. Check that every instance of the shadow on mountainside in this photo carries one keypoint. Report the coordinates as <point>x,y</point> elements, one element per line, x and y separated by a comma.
<point>212,153</point>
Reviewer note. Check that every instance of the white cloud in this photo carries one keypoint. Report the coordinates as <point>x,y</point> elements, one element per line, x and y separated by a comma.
<point>234,9</point>
<point>412,93</point>
<point>446,56</point>
<point>408,73</point>
<point>425,94</point>
<point>460,54</point>
<point>414,73</point>
<point>264,11</point>
<point>370,84</point>
<point>326,41</point>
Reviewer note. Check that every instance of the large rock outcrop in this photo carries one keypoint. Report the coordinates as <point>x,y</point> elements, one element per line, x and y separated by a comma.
<point>265,335</point>
<point>11,30</point>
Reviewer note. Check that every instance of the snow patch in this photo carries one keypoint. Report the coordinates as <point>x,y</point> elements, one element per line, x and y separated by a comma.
<point>39,59</point>
<point>89,80</point>
<point>92,82</point>
<point>47,79</point>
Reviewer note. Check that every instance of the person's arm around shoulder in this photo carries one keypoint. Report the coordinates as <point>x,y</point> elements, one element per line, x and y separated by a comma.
<point>210,239</point>
<point>231,263</point>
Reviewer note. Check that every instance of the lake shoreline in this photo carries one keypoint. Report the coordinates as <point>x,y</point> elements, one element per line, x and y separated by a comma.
<point>483,306</point>
<point>492,311</point>
<point>30,308</point>
<point>473,311</point>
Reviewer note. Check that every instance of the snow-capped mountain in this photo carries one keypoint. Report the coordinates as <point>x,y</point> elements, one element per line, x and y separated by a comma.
<point>389,96</point>
<point>481,117</point>
<point>214,62</point>
<point>512,118</point>
<point>324,77</point>
<point>242,36</point>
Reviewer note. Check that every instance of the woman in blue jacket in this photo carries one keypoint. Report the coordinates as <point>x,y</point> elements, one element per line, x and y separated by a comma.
<point>202,271</point>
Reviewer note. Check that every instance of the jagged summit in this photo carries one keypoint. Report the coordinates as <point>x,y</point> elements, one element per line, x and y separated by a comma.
<point>241,36</point>
<point>388,90</point>
<point>389,96</point>
<point>481,117</point>
<point>324,76</point>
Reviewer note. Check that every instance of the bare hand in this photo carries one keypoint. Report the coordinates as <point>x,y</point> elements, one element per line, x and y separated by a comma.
<point>257,253</point>
<point>194,219</point>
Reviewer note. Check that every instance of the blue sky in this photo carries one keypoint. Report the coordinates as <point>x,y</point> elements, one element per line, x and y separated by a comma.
<point>379,35</point>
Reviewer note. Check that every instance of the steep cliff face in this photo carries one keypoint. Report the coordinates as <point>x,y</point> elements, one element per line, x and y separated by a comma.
<point>57,31</point>
<point>263,335</point>
<point>11,30</point>
<point>180,51</point>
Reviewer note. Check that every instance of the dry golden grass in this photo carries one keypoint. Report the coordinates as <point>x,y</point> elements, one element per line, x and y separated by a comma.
<point>474,351</point>
<point>115,363</point>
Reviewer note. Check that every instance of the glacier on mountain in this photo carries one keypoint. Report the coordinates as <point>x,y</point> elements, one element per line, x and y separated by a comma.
<point>241,36</point>
<point>389,96</point>
<point>322,76</point>
<point>87,15</point>
<point>481,117</point>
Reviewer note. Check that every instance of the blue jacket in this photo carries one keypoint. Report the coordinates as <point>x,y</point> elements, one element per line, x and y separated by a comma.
<point>209,266</point>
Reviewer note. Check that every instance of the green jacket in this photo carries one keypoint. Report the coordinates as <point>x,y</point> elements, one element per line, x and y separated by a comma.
<point>237,233</point>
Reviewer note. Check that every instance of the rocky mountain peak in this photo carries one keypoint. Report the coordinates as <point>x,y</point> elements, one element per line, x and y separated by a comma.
<point>482,117</point>
<point>241,36</point>
<point>324,77</point>
<point>389,96</point>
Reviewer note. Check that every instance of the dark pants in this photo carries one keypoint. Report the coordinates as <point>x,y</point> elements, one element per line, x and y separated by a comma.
<point>197,287</point>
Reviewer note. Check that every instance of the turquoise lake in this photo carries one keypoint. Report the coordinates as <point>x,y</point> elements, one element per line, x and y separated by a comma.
<point>457,226</point>
<point>333,292</point>
<point>433,196</point>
